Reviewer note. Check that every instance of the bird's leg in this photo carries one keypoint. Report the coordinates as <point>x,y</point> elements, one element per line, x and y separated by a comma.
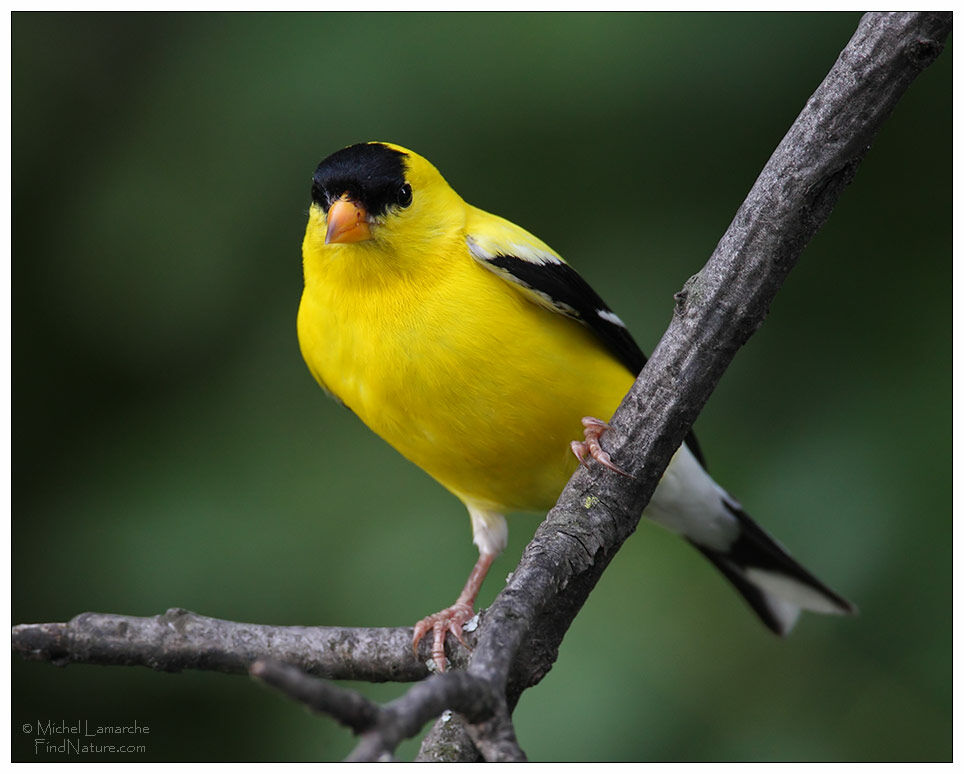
<point>593,429</point>
<point>451,619</point>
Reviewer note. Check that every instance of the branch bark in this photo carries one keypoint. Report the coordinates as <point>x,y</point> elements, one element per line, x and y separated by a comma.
<point>517,641</point>
<point>180,639</point>
<point>716,312</point>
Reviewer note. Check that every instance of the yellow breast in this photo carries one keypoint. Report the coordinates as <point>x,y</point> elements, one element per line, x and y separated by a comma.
<point>457,370</point>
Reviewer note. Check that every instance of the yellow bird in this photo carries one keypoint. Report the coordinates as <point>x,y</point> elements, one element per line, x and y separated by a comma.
<point>479,354</point>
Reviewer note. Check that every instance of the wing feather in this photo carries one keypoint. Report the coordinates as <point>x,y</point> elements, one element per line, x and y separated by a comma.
<point>546,279</point>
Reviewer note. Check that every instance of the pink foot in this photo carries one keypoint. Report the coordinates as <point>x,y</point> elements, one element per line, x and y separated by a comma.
<point>593,429</point>
<point>451,619</point>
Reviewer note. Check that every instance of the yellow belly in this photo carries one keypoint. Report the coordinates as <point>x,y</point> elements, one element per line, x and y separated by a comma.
<point>477,385</point>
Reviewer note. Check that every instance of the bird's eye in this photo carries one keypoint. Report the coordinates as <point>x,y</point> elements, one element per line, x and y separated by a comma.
<point>404,197</point>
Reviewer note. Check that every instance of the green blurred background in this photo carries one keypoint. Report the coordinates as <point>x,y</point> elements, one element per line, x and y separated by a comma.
<point>171,449</point>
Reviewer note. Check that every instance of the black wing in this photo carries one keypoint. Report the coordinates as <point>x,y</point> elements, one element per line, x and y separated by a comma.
<point>553,283</point>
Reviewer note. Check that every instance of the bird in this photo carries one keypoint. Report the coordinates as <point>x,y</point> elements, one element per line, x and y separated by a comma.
<point>478,353</point>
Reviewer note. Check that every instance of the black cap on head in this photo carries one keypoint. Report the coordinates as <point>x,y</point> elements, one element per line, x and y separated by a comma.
<point>370,173</point>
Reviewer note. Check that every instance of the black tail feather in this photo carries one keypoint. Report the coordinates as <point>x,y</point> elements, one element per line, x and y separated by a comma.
<point>753,595</point>
<point>754,549</point>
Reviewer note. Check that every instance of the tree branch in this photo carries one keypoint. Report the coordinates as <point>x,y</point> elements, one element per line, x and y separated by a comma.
<point>383,728</point>
<point>716,312</point>
<point>180,639</point>
<point>517,641</point>
<point>349,708</point>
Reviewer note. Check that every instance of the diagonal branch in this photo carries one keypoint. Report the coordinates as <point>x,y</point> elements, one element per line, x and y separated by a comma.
<point>518,638</point>
<point>716,312</point>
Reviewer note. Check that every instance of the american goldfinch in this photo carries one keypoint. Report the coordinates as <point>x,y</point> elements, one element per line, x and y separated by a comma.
<point>477,352</point>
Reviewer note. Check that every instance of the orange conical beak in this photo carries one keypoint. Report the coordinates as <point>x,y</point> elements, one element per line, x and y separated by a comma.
<point>347,222</point>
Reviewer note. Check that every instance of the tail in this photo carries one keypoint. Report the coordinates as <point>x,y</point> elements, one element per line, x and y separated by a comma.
<point>771,581</point>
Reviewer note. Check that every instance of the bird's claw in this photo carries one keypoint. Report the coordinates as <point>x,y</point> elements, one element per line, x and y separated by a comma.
<point>593,429</point>
<point>451,619</point>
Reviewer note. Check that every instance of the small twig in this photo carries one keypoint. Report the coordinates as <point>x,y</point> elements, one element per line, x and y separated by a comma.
<point>478,701</point>
<point>349,708</point>
<point>382,728</point>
